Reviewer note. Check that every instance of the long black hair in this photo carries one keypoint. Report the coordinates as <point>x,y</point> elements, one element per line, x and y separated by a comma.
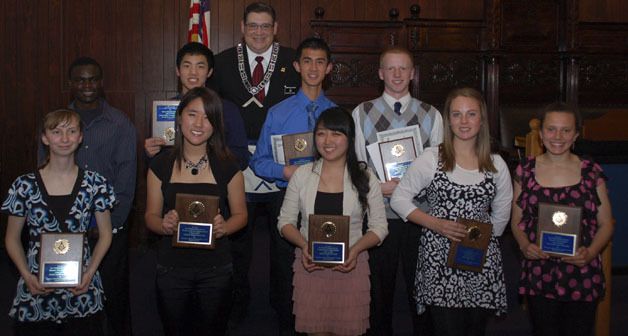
<point>212,104</point>
<point>339,120</point>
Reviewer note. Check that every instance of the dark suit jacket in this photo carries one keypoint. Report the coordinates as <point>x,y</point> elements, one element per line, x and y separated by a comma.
<point>226,81</point>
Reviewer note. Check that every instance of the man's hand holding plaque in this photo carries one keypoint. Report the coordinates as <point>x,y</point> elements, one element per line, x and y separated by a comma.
<point>298,148</point>
<point>558,230</point>
<point>397,155</point>
<point>328,239</point>
<point>195,228</point>
<point>61,260</point>
<point>469,253</point>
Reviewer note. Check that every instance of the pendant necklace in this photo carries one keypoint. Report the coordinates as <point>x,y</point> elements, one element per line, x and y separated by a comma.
<point>195,168</point>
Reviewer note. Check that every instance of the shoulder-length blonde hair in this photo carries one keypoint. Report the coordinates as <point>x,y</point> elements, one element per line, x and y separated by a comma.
<point>483,141</point>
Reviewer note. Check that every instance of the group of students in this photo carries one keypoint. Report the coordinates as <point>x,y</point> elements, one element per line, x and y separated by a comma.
<point>456,176</point>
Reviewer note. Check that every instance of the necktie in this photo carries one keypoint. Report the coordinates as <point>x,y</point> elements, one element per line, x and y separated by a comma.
<point>311,119</point>
<point>258,74</point>
<point>397,107</point>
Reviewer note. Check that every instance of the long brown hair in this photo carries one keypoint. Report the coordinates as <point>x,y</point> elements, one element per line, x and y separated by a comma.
<point>483,140</point>
<point>212,104</point>
<point>53,119</point>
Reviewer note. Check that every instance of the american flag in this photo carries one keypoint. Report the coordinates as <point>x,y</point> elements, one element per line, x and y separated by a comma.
<point>198,30</point>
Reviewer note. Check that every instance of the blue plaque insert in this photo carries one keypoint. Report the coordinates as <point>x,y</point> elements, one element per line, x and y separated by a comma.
<point>559,243</point>
<point>166,112</point>
<point>301,160</point>
<point>195,233</point>
<point>397,169</point>
<point>469,256</point>
<point>61,273</point>
<point>328,252</point>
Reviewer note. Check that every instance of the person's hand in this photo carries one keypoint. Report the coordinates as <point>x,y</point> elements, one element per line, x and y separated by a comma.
<point>152,146</point>
<point>389,187</point>
<point>450,229</point>
<point>169,222</point>
<point>288,171</point>
<point>306,260</point>
<point>84,285</point>
<point>582,257</point>
<point>33,285</point>
<point>350,263</point>
<point>533,252</point>
<point>220,226</point>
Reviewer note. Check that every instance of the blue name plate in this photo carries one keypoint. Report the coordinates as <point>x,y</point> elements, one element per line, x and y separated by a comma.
<point>166,112</point>
<point>61,273</point>
<point>301,161</point>
<point>397,169</point>
<point>195,233</point>
<point>330,253</point>
<point>558,243</point>
<point>469,256</point>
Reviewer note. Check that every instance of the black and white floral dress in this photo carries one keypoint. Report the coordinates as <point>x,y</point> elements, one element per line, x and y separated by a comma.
<point>439,285</point>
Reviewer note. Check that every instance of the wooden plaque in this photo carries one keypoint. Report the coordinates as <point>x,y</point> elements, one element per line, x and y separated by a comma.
<point>298,148</point>
<point>196,216</point>
<point>558,229</point>
<point>328,239</point>
<point>469,253</point>
<point>61,259</point>
<point>397,156</point>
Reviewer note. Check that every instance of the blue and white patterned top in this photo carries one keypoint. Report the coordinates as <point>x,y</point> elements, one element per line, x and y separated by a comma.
<point>27,198</point>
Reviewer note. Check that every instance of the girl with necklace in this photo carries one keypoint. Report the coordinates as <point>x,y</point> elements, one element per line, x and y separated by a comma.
<point>461,179</point>
<point>562,293</point>
<point>333,300</point>
<point>194,286</point>
<point>59,197</point>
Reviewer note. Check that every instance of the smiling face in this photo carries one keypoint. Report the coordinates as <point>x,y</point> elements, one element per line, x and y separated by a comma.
<point>559,132</point>
<point>313,65</point>
<point>86,85</point>
<point>396,70</point>
<point>331,145</point>
<point>195,127</point>
<point>465,118</point>
<point>193,72</point>
<point>64,138</point>
<point>259,31</point>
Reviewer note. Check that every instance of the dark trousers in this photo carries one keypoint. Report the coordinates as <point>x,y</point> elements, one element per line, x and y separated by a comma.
<point>89,325</point>
<point>194,301</point>
<point>400,246</point>
<point>458,321</point>
<point>114,271</point>
<point>556,318</point>
<point>241,254</point>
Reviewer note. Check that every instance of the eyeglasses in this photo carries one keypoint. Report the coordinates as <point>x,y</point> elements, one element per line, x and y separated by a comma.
<point>255,26</point>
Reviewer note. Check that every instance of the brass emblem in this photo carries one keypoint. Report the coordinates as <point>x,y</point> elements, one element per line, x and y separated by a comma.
<point>329,229</point>
<point>559,218</point>
<point>397,150</point>
<point>300,144</point>
<point>196,209</point>
<point>169,133</point>
<point>474,233</point>
<point>61,246</point>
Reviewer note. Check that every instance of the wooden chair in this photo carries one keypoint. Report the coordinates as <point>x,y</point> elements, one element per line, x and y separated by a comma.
<point>533,147</point>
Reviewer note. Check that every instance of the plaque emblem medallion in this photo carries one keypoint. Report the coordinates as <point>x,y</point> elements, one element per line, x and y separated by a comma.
<point>169,134</point>
<point>300,144</point>
<point>329,229</point>
<point>474,233</point>
<point>559,218</point>
<point>61,246</point>
<point>397,150</point>
<point>196,208</point>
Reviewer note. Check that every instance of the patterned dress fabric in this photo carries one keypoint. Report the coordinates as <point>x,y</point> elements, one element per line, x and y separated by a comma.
<point>552,278</point>
<point>439,285</point>
<point>27,198</point>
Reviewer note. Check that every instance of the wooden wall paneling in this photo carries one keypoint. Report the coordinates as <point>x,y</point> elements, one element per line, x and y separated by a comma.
<point>603,80</point>
<point>490,86</point>
<point>604,10</point>
<point>602,37</point>
<point>227,23</point>
<point>435,35</point>
<point>529,79</point>
<point>529,24</point>
<point>8,97</point>
<point>449,9</point>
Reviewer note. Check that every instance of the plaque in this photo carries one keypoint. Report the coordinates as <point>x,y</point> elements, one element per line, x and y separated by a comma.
<point>328,239</point>
<point>196,216</point>
<point>558,230</point>
<point>163,120</point>
<point>469,253</point>
<point>397,156</point>
<point>298,148</point>
<point>61,259</point>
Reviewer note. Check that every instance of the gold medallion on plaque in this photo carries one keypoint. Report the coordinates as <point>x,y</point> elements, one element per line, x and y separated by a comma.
<point>61,246</point>
<point>169,133</point>
<point>397,150</point>
<point>559,218</point>
<point>196,208</point>
<point>329,229</point>
<point>474,233</point>
<point>300,144</point>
